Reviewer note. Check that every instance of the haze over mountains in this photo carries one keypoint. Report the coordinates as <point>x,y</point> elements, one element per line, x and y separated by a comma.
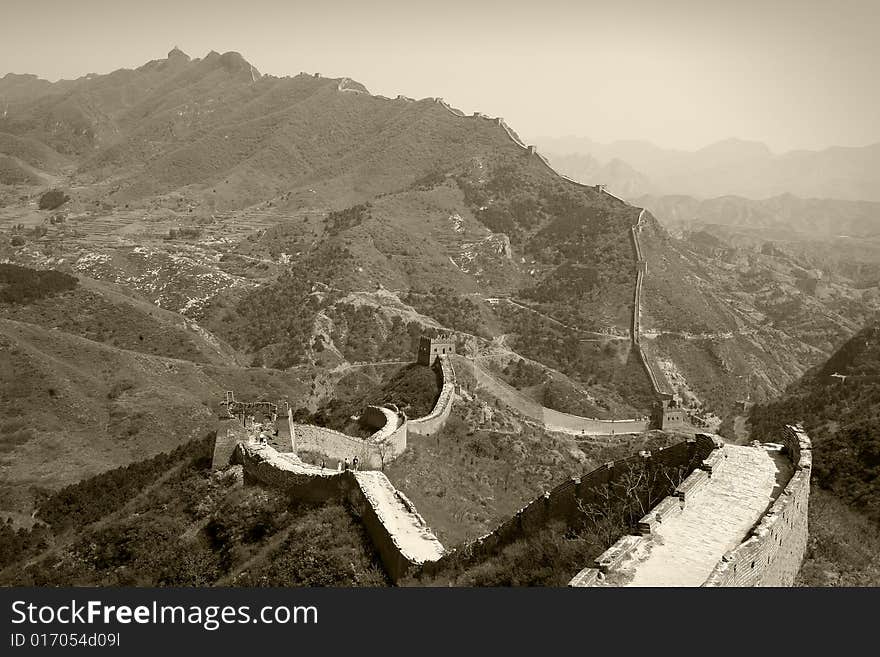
<point>729,167</point>
<point>785,216</point>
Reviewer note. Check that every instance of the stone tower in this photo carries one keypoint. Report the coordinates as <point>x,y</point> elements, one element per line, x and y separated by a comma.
<point>431,348</point>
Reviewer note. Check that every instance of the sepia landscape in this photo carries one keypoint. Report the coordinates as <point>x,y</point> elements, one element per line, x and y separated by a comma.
<point>280,330</point>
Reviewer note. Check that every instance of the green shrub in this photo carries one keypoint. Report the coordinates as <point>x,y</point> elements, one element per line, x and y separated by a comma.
<point>23,285</point>
<point>52,199</point>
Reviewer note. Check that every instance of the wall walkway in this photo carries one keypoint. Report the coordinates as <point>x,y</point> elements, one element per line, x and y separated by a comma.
<point>739,521</point>
<point>553,420</point>
<point>399,533</point>
<point>686,547</point>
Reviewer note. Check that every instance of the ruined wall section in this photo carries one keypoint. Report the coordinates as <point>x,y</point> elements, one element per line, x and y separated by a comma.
<point>229,433</point>
<point>773,552</point>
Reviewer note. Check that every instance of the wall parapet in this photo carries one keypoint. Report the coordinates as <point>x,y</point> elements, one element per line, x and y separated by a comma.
<point>380,448</point>
<point>773,552</point>
<point>709,451</point>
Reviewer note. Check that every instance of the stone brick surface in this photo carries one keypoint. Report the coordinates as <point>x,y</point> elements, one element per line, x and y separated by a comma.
<point>717,517</point>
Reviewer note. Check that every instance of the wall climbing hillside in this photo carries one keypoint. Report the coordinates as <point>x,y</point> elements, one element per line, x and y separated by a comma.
<point>484,383</point>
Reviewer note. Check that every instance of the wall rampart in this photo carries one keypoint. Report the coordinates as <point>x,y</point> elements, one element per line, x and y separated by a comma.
<point>376,451</point>
<point>363,491</point>
<point>563,504</point>
<point>483,382</point>
<point>774,550</point>
<point>432,422</point>
<point>229,433</point>
<point>771,554</point>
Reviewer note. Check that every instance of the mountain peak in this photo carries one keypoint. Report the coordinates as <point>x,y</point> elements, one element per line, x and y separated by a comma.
<point>176,54</point>
<point>234,63</point>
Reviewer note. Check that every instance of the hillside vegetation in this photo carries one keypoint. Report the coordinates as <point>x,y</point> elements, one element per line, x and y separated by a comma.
<point>168,521</point>
<point>841,418</point>
<point>20,285</point>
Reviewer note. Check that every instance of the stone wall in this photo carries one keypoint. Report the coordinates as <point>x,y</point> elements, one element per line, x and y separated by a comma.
<point>561,503</point>
<point>398,532</point>
<point>773,552</point>
<point>373,452</point>
<point>475,379</point>
<point>229,434</point>
<point>332,444</point>
<point>705,453</point>
<point>434,421</point>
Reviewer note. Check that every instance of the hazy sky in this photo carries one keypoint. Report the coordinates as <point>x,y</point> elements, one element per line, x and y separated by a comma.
<point>680,73</point>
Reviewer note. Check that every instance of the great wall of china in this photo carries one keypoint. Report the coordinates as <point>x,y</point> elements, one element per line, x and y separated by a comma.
<point>739,519</point>
<point>473,376</point>
<point>717,514</point>
<point>666,415</point>
<point>727,515</point>
<point>730,515</point>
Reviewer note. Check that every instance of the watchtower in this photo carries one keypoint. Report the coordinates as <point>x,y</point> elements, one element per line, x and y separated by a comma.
<point>431,348</point>
<point>668,414</point>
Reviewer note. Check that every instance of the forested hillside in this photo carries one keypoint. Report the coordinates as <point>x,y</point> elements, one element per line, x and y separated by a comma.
<point>842,416</point>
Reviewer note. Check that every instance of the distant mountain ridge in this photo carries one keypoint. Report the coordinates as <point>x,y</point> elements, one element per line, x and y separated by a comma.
<point>217,129</point>
<point>734,167</point>
<point>788,215</point>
